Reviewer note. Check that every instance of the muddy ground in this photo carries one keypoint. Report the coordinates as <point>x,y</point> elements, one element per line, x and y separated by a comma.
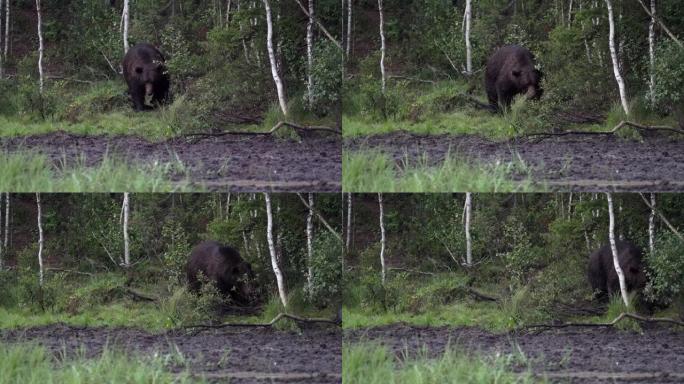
<point>241,355</point>
<point>576,355</point>
<point>578,163</point>
<point>235,163</point>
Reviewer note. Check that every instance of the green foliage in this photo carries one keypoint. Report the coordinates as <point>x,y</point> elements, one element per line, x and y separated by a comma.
<point>523,255</point>
<point>327,78</point>
<point>669,78</point>
<point>326,263</point>
<point>372,364</point>
<point>208,300</point>
<point>27,363</point>
<point>177,249</point>
<point>666,269</point>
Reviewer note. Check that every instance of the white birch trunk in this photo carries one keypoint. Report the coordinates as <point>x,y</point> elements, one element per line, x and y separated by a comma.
<point>127,252</point>
<point>382,238</point>
<point>40,45</point>
<point>271,56</point>
<point>309,242</point>
<point>613,247</point>
<point>40,240</point>
<point>272,250</point>
<point>309,52</point>
<point>1,34</point>
<point>614,57</point>
<point>651,224</point>
<point>7,223</point>
<point>7,28</point>
<point>570,13</point>
<point>349,219</point>
<point>469,58</point>
<point>349,26</point>
<point>125,16</point>
<point>382,46</point>
<point>469,245</point>
<point>229,5</point>
<point>651,50</point>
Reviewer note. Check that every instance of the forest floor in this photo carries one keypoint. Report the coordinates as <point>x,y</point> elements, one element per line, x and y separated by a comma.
<point>577,355</point>
<point>236,163</point>
<point>577,163</point>
<point>241,355</point>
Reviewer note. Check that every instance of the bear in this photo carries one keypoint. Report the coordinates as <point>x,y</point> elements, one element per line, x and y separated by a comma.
<point>510,71</point>
<point>601,270</point>
<point>223,266</point>
<point>146,75</point>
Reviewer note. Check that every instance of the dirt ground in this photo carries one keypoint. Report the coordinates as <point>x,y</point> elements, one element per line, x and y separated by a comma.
<point>241,355</point>
<point>235,163</point>
<point>576,355</point>
<point>577,163</point>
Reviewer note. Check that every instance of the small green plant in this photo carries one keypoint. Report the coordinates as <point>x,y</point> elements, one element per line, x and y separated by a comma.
<point>325,289</point>
<point>666,269</point>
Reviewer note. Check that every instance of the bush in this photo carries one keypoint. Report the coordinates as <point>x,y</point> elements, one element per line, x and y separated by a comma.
<point>666,269</point>
<point>327,78</point>
<point>669,74</point>
<point>326,264</point>
<point>177,249</point>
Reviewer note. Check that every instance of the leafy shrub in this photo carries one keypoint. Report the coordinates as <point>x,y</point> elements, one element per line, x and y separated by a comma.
<point>327,78</point>
<point>669,75</point>
<point>326,264</point>
<point>177,249</point>
<point>666,269</point>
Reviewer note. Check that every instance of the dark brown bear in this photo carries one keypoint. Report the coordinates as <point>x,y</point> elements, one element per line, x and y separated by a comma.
<point>510,71</point>
<point>146,75</point>
<point>601,271</point>
<point>224,266</point>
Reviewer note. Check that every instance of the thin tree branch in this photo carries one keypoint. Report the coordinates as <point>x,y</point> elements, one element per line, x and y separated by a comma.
<point>276,319</point>
<point>620,125</point>
<point>320,26</point>
<point>276,127</point>
<point>662,217</point>
<point>662,25</point>
<point>620,317</point>
<point>320,217</point>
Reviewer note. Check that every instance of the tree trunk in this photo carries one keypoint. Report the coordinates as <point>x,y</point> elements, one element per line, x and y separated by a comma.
<point>614,57</point>
<point>651,224</point>
<point>1,34</point>
<point>349,27</point>
<point>40,240</point>
<point>272,250</point>
<point>7,223</point>
<point>271,56</point>
<point>469,245</point>
<point>382,239</point>
<point>349,220</point>
<point>7,29</point>
<point>309,53</point>
<point>309,242</point>
<point>1,217</point>
<point>613,247</point>
<point>40,45</point>
<point>229,5</point>
<point>382,46</point>
<point>570,13</point>
<point>651,51</point>
<point>469,58</point>
<point>127,253</point>
<point>125,21</point>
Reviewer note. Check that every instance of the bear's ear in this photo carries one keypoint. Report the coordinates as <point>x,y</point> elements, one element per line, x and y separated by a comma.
<point>516,73</point>
<point>138,70</point>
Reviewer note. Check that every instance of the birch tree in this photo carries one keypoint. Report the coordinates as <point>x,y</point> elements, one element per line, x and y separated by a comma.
<point>7,29</point>
<point>271,56</point>
<point>349,219</point>
<point>309,242</point>
<point>469,244</point>
<point>309,52</point>
<point>7,223</point>
<point>469,58</point>
<point>615,59</point>
<point>382,240</point>
<point>40,240</point>
<point>382,46</point>
<point>40,45</point>
<point>651,224</point>
<point>349,27</point>
<point>1,34</point>
<point>127,252</point>
<point>613,247</point>
<point>651,51</point>
<point>124,23</point>
<point>272,250</point>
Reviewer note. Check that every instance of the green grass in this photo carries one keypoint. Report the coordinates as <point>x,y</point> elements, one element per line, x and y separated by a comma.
<point>370,171</point>
<point>29,364</point>
<point>370,364</point>
<point>27,172</point>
